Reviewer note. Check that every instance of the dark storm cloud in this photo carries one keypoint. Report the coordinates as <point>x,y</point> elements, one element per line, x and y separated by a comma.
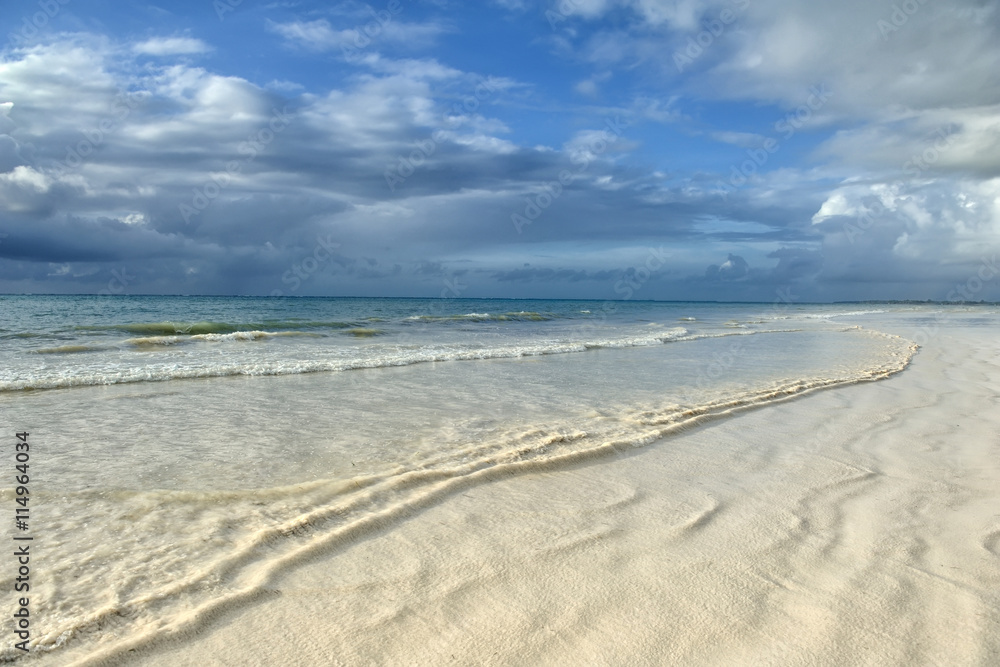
<point>529,274</point>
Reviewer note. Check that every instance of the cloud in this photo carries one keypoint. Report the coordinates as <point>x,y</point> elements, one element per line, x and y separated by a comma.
<point>10,153</point>
<point>319,35</point>
<point>320,177</point>
<point>535,275</point>
<point>795,264</point>
<point>910,127</point>
<point>935,61</point>
<point>887,189</point>
<point>316,35</point>
<point>931,231</point>
<point>734,268</point>
<point>171,46</point>
<point>934,143</point>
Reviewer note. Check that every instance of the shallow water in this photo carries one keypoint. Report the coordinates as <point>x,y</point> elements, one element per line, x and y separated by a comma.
<point>192,451</point>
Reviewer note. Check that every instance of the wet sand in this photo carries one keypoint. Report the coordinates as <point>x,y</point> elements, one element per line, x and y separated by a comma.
<point>854,526</point>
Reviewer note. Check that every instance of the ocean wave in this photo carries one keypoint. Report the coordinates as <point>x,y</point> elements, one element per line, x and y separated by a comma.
<point>851,313</point>
<point>825,316</point>
<point>254,335</point>
<point>155,341</point>
<point>521,316</point>
<point>741,332</point>
<point>69,349</point>
<point>149,330</point>
<point>26,334</point>
<point>202,328</point>
<point>362,332</point>
<point>385,357</point>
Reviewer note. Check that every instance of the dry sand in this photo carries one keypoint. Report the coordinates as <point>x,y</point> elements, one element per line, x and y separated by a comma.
<point>854,526</point>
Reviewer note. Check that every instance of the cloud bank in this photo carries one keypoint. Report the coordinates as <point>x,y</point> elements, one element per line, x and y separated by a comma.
<point>851,151</point>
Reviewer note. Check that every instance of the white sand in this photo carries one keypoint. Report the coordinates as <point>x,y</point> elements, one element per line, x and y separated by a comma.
<point>855,526</point>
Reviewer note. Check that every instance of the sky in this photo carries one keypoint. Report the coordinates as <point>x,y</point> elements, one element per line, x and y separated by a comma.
<point>728,150</point>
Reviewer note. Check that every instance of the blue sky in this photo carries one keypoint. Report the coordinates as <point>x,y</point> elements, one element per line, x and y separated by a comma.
<point>646,149</point>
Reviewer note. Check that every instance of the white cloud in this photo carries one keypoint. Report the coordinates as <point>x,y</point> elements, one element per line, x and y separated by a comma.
<point>285,86</point>
<point>917,104</point>
<point>315,35</point>
<point>680,14</point>
<point>319,35</point>
<point>189,123</point>
<point>655,109</point>
<point>930,142</point>
<point>324,172</point>
<point>27,179</point>
<point>774,50</point>
<point>171,46</point>
<point>926,231</point>
<point>589,145</point>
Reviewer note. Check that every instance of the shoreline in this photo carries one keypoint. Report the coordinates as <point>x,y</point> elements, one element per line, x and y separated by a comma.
<point>791,529</point>
<point>854,525</point>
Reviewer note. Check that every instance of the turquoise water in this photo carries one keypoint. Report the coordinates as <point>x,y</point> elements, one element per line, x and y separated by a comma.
<point>63,341</point>
<point>185,447</point>
<point>265,392</point>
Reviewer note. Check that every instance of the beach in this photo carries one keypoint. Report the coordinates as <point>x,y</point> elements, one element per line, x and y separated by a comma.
<point>856,526</point>
<point>567,333</point>
<point>843,519</point>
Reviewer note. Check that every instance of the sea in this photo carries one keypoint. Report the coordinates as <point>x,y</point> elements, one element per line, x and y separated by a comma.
<point>185,451</point>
